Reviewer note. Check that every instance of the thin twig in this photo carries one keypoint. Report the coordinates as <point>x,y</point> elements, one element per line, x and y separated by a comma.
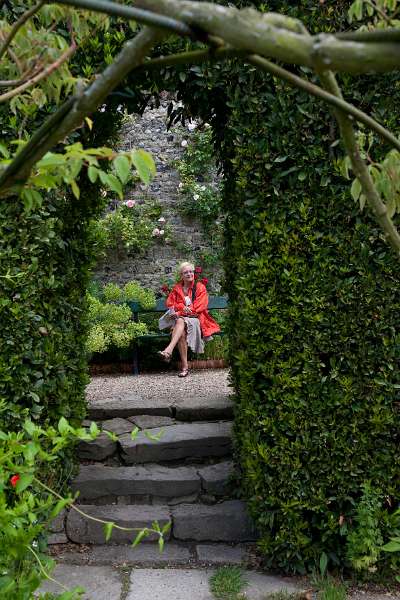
<point>42,75</point>
<point>87,516</point>
<point>336,101</point>
<point>18,24</point>
<point>43,570</point>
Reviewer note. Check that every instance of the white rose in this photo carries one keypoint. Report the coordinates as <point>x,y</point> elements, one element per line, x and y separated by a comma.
<point>161,220</point>
<point>196,197</point>
<point>184,143</point>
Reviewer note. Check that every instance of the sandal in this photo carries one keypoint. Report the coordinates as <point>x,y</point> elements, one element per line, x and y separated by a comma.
<point>165,356</point>
<point>183,373</point>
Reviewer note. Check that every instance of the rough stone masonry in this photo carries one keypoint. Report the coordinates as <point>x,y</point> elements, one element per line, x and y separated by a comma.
<point>160,261</point>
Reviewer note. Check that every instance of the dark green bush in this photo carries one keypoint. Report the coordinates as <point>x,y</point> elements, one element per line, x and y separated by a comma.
<point>314,330</point>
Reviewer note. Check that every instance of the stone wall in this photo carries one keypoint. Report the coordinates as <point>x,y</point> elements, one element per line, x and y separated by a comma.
<point>160,261</point>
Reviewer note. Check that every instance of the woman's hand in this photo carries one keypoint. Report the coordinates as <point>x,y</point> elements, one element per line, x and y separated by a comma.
<point>187,310</point>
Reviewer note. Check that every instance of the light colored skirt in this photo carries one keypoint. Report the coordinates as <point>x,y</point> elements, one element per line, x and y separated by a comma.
<point>193,335</point>
<point>193,331</point>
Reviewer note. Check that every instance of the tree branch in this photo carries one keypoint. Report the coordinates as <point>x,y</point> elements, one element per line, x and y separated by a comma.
<point>42,75</point>
<point>377,35</point>
<point>258,33</point>
<point>360,168</point>
<point>18,24</point>
<point>72,113</point>
<point>333,100</point>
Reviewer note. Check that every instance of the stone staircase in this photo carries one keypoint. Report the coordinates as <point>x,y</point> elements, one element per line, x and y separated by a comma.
<point>177,469</point>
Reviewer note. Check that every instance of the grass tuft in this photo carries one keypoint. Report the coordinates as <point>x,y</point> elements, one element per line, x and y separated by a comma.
<point>227,583</point>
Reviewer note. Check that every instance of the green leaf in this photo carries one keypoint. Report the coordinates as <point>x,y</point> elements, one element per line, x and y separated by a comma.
<point>30,450</point>
<point>392,546</point>
<point>75,189</point>
<point>122,168</point>
<point>94,430</point>
<point>108,528</point>
<point>139,537</point>
<point>355,189</point>
<point>93,173</point>
<point>161,544</point>
<point>323,563</point>
<point>63,426</point>
<point>134,433</point>
<point>109,180</point>
<point>155,437</point>
<point>4,151</point>
<point>24,481</point>
<point>144,165</point>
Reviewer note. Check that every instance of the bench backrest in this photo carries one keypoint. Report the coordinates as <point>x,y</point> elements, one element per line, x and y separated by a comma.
<point>214,302</point>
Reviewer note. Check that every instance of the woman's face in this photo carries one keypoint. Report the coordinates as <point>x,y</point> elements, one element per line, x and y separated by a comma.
<point>187,275</point>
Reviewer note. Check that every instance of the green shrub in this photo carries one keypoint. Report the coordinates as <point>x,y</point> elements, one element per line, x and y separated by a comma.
<point>110,318</point>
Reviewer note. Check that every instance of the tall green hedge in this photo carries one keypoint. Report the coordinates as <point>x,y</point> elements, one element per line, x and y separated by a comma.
<point>44,261</point>
<point>314,326</point>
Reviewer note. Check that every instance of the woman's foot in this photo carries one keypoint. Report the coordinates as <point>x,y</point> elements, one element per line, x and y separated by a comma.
<point>164,355</point>
<point>183,373</point>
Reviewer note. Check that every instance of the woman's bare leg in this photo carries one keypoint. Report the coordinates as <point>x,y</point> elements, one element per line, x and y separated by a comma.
<point>177,333</point>
<point>183,350</point>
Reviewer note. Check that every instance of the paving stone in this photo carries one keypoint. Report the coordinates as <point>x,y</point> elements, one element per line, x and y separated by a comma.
<point>224,522</point>
<point>205,408</point>
<point>151,421</point>
<point>221,554</point>
<point>186,440</point>
<point>117,425</point>
<point>126,405</point>
<point>95,481</point>
<point>57,538</point>
<point>142,555</point>
<point>97,449</point>
<point>100,583</point>
<point>181,584</point>
<point>82,530</point>
<point>215,479</point>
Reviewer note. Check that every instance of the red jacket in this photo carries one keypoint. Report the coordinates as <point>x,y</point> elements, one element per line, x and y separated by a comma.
<point>176,300</point>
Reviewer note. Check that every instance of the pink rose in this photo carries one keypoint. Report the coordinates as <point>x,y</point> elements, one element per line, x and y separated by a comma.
<point>130,203</point>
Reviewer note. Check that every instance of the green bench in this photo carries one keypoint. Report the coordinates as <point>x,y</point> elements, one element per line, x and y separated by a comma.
<point>214,303</point>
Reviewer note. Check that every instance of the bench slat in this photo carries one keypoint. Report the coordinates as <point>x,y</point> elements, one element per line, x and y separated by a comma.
<point>214,302</point>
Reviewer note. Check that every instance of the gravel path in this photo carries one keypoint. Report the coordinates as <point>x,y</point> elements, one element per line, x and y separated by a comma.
<point>199,383</point>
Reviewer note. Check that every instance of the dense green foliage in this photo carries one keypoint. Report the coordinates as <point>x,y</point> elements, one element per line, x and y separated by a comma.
<point>110,317</point>
<point>314,327</point>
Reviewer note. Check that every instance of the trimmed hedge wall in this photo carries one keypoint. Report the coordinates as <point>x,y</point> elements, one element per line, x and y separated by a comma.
<point>315,341</point>
<point>44,262</point>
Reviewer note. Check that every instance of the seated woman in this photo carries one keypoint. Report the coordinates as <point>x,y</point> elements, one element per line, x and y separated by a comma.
<point>191,322</point>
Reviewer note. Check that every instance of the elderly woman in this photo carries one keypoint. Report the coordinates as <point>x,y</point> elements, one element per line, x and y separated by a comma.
<point>190,322</point>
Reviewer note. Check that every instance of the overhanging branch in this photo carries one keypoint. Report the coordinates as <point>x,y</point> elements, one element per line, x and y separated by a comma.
<point>360,168</point>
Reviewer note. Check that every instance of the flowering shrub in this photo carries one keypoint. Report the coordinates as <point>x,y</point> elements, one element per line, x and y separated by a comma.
<point>129,229</point>
<point>110,316</point>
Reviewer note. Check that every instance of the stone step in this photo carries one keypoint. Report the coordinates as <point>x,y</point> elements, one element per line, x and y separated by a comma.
<point>151,481</point>
<point>185,440</point>
<point>149,555</point>
<point>183,408</point>
<point>83,530</point>
<point>224,522</point>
